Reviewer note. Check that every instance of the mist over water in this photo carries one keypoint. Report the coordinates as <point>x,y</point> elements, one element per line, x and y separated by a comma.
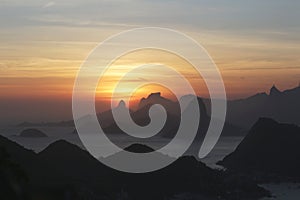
<point>224,146</point>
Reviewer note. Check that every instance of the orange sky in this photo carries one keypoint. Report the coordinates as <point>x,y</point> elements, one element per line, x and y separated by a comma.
<point>138,58</point>
<point>42,49</point>
<point>47,68</point>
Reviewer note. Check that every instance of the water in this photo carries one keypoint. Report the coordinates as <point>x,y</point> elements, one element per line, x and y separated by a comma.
<point>224,146</point>
<point>38,144</point>
<point>283,191</point>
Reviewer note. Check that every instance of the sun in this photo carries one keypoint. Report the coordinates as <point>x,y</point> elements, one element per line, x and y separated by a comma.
<point>133,85</point>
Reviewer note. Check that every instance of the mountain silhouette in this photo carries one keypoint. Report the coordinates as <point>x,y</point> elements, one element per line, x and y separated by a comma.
<point>269,148</point>
<point>13,179</point>
<point>281,106</point>
<point>156,98</point>
<point>71,162</point>
<point>17,153</point>
<point>274,91</point>
<point>33,133</point>
<point>139,148</point>
<point>27,159</point>
<point>68,123</point>
<point>141,116</point>
<point>106,118</point>
<point>65,171</point>
<point>170,128</point>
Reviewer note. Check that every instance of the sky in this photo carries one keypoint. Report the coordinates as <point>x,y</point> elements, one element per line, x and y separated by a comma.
<point>255,44</point>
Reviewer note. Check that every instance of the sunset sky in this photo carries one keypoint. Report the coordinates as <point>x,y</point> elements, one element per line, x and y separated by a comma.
<point>254,43</point>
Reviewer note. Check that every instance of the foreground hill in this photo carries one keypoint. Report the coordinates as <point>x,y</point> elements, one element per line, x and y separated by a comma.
<point>270,148</point>
<point>64,171</point>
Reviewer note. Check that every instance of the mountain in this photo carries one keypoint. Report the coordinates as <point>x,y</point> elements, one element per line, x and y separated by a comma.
<point>27,160</point>
<point>139,148</point>
<point>17,153</point>
<point>13,178</point>
<point>68,123</point>
<point>282,106</point>
<point>270,148</point>
<point>189,176</point>
<point>32,133</point>
<point>203,124</point>
<point>60,169</point>
<point>156,98</point>
<point>274,91</point>
<point>64,171</point>
<point>141,115</point>
<point>71,163</point>
<point>170,128</point>
<point>106,118</point>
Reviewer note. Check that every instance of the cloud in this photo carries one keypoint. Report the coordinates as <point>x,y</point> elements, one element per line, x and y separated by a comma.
<point>57,20</point>
<point>49,4</point>
<point>199,14</point>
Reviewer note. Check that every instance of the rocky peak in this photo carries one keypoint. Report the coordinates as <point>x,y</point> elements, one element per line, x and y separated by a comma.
<point>153,95</point>
<point>122,104</point>
<point>274,91</point>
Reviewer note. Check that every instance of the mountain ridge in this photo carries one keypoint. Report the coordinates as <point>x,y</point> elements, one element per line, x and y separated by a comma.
<point>269,148</point>
<point>64,168</point>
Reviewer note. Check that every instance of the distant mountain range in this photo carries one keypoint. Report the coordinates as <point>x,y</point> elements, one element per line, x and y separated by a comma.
<point>64,171</point>
<point>241,114</point>
<point>282,106</point>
